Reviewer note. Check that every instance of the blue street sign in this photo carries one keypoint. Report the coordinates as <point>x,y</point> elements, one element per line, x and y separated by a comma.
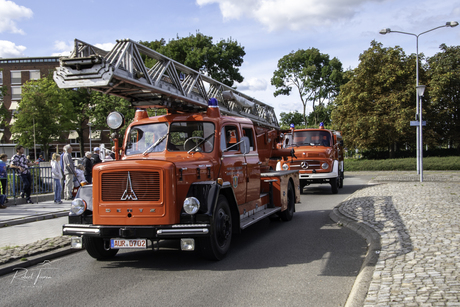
<point>417,123</point>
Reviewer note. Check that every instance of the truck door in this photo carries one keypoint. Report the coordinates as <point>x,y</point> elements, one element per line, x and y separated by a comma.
<point>252,166</point>
<point>233,161</point>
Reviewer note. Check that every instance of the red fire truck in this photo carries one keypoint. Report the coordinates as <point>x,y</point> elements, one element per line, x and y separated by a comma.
<point>198,174</point>
<point>318,156</point>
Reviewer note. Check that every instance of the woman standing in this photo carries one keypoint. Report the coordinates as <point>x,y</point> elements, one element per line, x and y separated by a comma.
<point>57,176</point>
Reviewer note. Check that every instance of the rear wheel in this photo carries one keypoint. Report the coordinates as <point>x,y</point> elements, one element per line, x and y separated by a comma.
<point>216,246</point>
<point>287,214</point>
<point>95,248</point>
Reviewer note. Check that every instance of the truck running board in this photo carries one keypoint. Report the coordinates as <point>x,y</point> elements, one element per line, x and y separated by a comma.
<point>248,221</point>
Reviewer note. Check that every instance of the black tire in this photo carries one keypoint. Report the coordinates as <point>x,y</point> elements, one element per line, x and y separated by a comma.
<point>216,246</point>
<point>287,214</point>
<point>341,176</point>
<point>334,185</point>
<point>95,248</point>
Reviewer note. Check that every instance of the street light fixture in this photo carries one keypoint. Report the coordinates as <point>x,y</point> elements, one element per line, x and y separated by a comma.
<point>418,112</point>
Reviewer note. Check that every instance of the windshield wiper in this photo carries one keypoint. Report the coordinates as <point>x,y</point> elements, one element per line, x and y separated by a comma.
<point>155,144</point>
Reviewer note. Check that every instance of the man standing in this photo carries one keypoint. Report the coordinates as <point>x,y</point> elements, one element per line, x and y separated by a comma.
<point>69,171</point>
<point>20,162</point>
<point>88,165</point>
<point>95,158</point>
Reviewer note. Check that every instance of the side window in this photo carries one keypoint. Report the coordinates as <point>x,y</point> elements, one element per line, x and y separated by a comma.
<point>250,134</point>
<point>229,139</point>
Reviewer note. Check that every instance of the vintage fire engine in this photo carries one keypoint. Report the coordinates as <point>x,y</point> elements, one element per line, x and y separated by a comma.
<point>318,156</point>
<point>198,174</point>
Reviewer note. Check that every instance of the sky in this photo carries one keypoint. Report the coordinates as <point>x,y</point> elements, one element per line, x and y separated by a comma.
<point>267,29</point>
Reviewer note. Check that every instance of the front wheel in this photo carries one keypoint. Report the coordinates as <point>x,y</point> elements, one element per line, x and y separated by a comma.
<point>95,248</point>
<point>335,185</point>
<point>216,246</point>
<point>341,176</point>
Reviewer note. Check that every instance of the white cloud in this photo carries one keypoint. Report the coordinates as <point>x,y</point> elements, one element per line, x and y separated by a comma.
<point>10,50</point>
<point>253,84</point>
<point>290,14</point>
<point>106,46</point>
<point>10,12</point>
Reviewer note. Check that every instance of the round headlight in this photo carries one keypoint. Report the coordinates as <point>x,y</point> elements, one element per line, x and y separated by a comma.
<point>191,205</point>
<point>285,167</point>
<point>325,165</point>
<point>115,120</point>
<point>78,206</point>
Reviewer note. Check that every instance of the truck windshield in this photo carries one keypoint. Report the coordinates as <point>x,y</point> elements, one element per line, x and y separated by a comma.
<point>191,137</point>
<point>147,138</point>
<point>312,138</point>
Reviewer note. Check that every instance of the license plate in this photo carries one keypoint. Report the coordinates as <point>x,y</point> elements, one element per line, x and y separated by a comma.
<point>128,243</point>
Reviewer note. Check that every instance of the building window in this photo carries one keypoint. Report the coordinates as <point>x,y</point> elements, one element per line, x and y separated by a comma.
<point>1,77</point>
<point>15,77</point>
<point>34,74</point>
<point>73,137</point>
<point>16,92</point>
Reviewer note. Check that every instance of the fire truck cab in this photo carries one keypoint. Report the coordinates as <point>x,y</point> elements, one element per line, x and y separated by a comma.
<point>318,157</point>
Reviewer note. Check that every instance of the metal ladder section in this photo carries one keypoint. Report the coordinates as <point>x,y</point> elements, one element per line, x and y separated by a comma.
<point>168,84</point>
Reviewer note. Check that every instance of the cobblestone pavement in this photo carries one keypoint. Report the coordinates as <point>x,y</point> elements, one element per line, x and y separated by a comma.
<point>12,253</point>
<point>418,224</point>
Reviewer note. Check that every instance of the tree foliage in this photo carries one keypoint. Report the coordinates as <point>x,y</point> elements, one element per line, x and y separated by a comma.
<point>286,119</point>
<point>44,113</point>
<point>444,88</point>
<point>312,73</point>
<point>220,61</point>
<point>374,108</point>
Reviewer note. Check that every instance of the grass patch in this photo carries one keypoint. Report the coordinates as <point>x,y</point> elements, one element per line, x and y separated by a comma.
<point>404,164</point>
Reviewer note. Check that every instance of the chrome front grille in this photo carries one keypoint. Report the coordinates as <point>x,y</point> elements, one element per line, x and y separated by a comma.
<point>131,185</point>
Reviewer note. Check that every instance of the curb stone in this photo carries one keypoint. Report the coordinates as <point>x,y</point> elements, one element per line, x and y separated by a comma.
<point>361,285</point>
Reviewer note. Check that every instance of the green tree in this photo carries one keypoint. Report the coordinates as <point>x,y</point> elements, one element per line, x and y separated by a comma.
<point>220,61</point>
<point>444,89</point>
<point>43,115</point>
<point>4,114</point>
<point>286,119</point>
<point>313,74</point>
<point>322,114</point>
<point>374,108</point>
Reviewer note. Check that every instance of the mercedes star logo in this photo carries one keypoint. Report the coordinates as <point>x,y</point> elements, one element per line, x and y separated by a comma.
<point>304,165</point>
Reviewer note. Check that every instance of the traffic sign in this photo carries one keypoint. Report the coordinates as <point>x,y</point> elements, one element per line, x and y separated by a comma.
<point>417,123</point>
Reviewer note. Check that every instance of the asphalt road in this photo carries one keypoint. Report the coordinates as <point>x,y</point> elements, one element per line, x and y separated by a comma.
<point>308,261</point>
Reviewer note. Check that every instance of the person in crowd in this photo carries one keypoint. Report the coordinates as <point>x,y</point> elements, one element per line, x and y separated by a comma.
<point>56,173</point>
<point>80,173</point>
<point>95,158</point>
<point>4,174</point>
<point>2,198</point>
<point>112,154</point>
<point>88,165</point>
<point>22,164</point>
<point>40,159</point>
<point>69,171</point>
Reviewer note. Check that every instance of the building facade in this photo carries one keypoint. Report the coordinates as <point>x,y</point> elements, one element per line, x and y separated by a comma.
<point>14,72</point>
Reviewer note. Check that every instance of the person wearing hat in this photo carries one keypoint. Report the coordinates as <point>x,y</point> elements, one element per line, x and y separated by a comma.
<point>95,158</point>
<point>88,165</point>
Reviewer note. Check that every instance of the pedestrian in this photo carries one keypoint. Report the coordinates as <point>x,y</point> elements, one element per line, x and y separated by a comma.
<point>40,159</point>
<point>69,171</point>
<point>21,164</point>
<point>4,174</point>
<point>56,173</point>
<point>80,173</point>
<point>95,158</point>
<point>2,198</point>
<point>88,165</point>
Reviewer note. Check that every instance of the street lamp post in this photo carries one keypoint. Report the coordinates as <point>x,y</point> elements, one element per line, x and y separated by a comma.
<point>418,111</point>
<point>90,137</point>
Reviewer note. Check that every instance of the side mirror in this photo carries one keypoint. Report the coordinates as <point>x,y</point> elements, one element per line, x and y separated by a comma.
<point>245,145</point>
<point>341,142</point>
